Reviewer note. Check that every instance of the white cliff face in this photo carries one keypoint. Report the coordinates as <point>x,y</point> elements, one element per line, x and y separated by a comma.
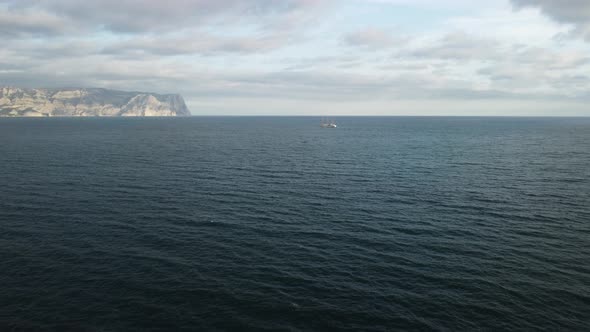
<point>88,102</point>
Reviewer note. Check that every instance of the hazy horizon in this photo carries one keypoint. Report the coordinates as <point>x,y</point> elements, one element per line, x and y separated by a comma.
<point>311,57</point>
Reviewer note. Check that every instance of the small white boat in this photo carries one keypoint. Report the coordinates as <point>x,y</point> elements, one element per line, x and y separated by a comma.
<point>325,123</point>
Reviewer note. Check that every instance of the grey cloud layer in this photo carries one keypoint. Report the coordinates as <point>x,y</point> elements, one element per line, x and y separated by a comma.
<point>136,16</point>
<point>575,12</point>
<point>17,24</point>
<point>566,11</point>
<point>188,46</point>
<point>156,27</point>
<point>202,44</point>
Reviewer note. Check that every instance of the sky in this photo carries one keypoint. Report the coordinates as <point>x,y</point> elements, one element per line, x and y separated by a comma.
<point>311,57</point>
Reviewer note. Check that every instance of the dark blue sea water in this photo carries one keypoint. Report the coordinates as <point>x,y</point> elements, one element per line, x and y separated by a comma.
<point>261,223</point>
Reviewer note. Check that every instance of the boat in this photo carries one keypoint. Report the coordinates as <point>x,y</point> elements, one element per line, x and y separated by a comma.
<point>325,123</point>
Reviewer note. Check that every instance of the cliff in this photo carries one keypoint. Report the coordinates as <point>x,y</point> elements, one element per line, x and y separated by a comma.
<point>88,102</point>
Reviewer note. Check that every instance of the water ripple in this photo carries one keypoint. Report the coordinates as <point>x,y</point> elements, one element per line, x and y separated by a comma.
<point>274,224</point>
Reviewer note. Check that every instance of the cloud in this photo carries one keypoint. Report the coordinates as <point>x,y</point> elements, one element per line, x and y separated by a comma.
<point>564,11</point>
<point>436,4</point>
<point>197,43</point>
<point>39,50</point>
<point>574,12</point>
<point>139,16</point>
<point>458,46</point>
<point>551,60</point>
<point>373,38</point>
<point>149,28</point>
<point>540,71</point>
<point>144,28</point>
<point>312,63</point>
<point>21,24</point>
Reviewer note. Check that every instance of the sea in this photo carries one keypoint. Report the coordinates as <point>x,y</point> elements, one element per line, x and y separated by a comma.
<point>276,224</point>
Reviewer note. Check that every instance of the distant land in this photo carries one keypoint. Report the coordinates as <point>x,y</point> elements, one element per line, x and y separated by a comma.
<point>19,102</point>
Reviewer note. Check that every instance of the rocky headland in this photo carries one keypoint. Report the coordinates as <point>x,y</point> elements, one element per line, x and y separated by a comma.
<point>19,102</point>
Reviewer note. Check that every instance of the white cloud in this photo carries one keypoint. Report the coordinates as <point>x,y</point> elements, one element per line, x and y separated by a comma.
<point>374,38</point>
